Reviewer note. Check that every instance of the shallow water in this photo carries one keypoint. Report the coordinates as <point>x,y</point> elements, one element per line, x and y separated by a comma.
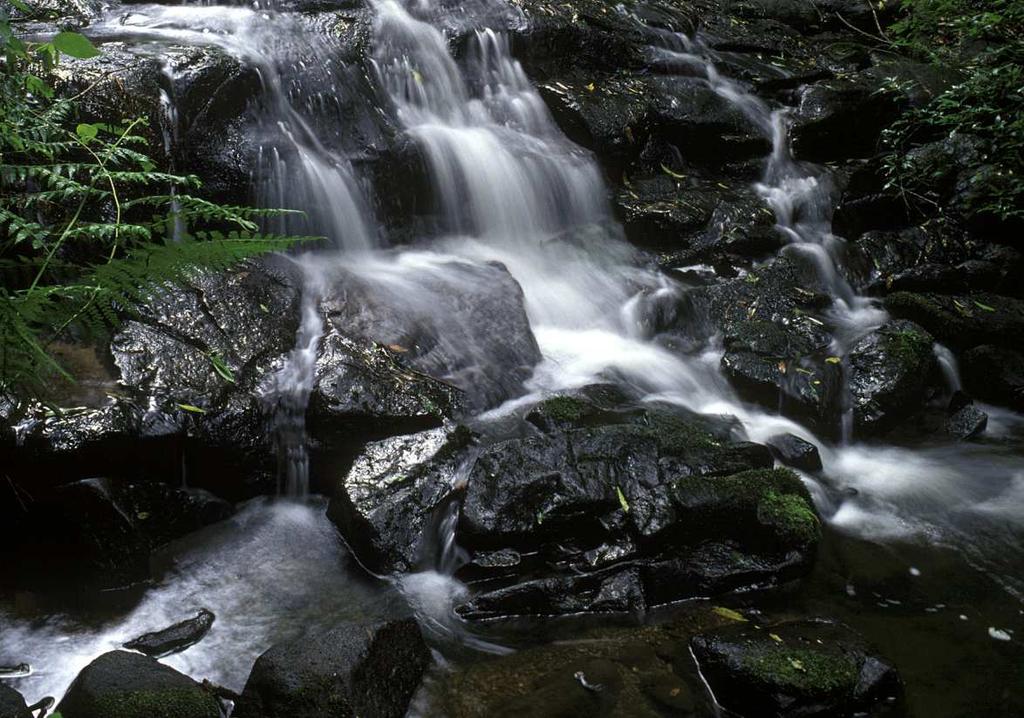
<point>271,571</point>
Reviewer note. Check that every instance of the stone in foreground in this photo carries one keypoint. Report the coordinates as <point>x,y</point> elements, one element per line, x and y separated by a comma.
<point>798,668</point>
<point>120,684</point>
<point>351,670</point>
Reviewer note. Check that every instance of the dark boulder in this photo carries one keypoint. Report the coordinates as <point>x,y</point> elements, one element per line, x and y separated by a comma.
<point>120,684</point>
<point>963,321</point>
<point>98,533</point>
<point>793,451</point>
<point>351,670</point>
<point>804,668</point>
<point>174,639</point>
<point>995,374</point>
<point>842,118</point>
<point>12,704</point>
<point>889,373</point>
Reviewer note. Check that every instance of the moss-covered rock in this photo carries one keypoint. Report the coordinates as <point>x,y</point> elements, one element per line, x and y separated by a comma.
<point>805,668</point>
<point>963,321</point>
<point>120,684</point>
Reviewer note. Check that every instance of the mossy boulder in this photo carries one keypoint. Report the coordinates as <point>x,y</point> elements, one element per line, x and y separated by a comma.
<point>966,320</point>
<point>798,668</point>
<point>120,684</point>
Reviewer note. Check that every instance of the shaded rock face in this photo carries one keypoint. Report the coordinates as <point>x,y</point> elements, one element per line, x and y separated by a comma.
<point>352,670</point>
<point>12,704</point>
<point>603,511</point>
<point>963,321</point>
<point>120,684</point>
<point>796,452</point>
<point>804,668</point>
<point>98,533</point>
<point>995,374</point>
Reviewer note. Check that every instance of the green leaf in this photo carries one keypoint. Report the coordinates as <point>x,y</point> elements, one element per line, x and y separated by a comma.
<point>75,44</point>
<point>192,409</point>
<point>21,7</point>
<point>622,499</point>
<point>222,368</point>
<point>985,307</point>
<point>729,613</point>
<point>87,132</point>
<point>670,173</point>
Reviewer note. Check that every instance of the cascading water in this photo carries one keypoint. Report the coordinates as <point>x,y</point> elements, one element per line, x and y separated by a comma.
<point>511,188</point>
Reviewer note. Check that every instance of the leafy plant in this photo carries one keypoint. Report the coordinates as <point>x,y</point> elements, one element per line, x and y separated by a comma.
<point>89,228</point>
<point>983,114</point>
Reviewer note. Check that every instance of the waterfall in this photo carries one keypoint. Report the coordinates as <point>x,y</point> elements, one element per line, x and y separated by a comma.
<point>801,197</point>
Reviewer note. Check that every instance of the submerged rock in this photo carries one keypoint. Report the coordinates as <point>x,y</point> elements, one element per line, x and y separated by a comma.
<point>120,684</point>
<point>805,668</point>
<point>174,639</point>
<point>351,670</point>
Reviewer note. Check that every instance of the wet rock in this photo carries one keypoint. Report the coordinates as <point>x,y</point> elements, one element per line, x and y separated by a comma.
<point>351,670</point>
<point>793,451</point>
<point>98,533</point>
<point>459,321</point>
<point>995,374</point>
<point>12,704</point>
<point>603,511</point>
<point>777,353</point>
<point>853,108</point>
<point>120,684</point>
<point>967,423</point>
<point>689,217</point>
<point>389,496</point>
<point>174,639</point>
<point>889,373</point>
<point>963,321</point>
<point>806,668</point>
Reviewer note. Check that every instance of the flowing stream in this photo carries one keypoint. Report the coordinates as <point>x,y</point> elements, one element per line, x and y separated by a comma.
<point>511,188</point>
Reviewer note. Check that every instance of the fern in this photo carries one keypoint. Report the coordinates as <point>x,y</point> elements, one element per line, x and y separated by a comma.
<point>90,229</point>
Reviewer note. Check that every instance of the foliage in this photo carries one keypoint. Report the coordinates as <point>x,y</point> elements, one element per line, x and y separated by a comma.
<point>982,41</point>
<point>89,227</point>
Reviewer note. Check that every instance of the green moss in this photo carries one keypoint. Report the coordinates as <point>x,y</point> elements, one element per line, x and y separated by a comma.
<point>792,515</point>
<point>564,409</point>
<point>907,345</point>
<point>802,670</point>
<point>167,703</point>
<point>674,434</point>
